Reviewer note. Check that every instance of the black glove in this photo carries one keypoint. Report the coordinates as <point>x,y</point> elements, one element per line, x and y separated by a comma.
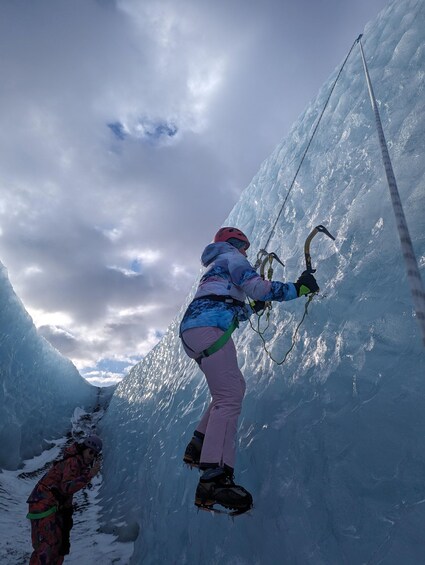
<point>258,305</point>
<point>306,284</point>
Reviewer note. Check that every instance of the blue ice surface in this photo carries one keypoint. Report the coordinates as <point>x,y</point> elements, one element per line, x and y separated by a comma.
<point>332,443</point>
<point>39,388</point>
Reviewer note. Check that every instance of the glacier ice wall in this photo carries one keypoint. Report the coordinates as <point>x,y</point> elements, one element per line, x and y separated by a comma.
<point>331,443</point>
<point>39,387</point>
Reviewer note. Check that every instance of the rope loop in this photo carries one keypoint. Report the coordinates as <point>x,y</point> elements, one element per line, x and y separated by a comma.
<point>261,332</point>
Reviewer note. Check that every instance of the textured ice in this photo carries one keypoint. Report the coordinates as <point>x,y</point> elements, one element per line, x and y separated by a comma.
<point>331,443</point>
<point>39,387</point>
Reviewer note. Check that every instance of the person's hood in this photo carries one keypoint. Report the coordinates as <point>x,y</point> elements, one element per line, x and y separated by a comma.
<point>213,250</point>
<point>73,449</point>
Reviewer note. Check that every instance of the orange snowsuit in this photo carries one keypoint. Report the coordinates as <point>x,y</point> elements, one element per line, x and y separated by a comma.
<point>51,499</point>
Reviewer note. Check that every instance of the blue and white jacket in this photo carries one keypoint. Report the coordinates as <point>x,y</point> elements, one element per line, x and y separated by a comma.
<point>229,273</point>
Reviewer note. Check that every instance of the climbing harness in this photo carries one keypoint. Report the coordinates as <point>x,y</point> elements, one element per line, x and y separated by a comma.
<point>223,339</point>
<point>262,259</point>
<point>221,342</point>
<point>412,269</point>
<point>40,515</point>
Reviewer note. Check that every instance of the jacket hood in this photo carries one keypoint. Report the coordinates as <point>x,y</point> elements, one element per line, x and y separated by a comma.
<point>73,449</point>
<point>213,250</point>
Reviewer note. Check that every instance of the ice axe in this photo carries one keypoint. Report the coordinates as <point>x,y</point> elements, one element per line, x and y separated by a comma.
<point>317,229</point>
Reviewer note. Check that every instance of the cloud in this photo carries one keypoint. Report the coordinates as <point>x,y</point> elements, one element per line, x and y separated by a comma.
<point>129,130</point>
<point>60,338</point>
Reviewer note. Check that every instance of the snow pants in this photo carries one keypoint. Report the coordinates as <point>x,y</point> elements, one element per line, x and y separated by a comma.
<point>46,537</point>
<point>227,388</point>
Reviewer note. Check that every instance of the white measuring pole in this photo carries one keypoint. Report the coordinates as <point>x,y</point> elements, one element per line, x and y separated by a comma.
<point>412,269</point>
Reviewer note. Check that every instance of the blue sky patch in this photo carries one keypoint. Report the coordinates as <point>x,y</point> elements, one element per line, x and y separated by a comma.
<point>118,130</point>
<point>136,266</point>
<point>145,129</point>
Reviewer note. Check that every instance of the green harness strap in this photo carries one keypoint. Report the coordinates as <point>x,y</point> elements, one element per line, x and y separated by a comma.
<point>39,515</point>
<point>221,342</point>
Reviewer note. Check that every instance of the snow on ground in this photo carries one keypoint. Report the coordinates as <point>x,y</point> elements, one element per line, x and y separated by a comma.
<point>88,545</point>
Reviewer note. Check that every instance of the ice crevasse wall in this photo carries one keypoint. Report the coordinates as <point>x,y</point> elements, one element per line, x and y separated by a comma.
<point>331,443</point>
<point>39,388</point>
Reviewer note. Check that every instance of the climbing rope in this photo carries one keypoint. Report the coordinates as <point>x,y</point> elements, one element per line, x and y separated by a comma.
<point>412,269</point>
<point>264,257</point>
<point>261,332</point>
<point>308,146</point>
<point>411,264</point>
<point>413,275</point>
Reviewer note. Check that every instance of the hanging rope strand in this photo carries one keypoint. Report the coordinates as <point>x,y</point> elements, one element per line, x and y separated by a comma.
<point>308,145</point>
<point>413,274</point>
<point>267,305</point>
<point>412,269</point>
<point>263,251</point>
<point>294,336</point>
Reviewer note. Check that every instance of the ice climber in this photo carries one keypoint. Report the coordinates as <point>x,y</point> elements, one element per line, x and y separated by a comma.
<point>218,306</point>
<point>50,503</point>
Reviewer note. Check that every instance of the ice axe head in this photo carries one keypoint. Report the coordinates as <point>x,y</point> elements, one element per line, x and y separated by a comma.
<point>325,231</point>
<point>316,230</point>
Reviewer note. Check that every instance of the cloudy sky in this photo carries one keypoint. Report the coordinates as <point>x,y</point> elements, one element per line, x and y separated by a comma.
<point>128,130</point>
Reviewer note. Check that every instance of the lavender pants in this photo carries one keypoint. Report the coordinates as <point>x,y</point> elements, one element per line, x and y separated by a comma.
<point>227,388</point>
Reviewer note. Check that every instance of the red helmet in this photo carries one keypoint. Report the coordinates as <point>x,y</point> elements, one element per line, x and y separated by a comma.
<point>225,234</point>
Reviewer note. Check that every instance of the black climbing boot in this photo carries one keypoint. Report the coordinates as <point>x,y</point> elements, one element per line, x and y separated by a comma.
<point>216,486</point>
<point>193,450</point>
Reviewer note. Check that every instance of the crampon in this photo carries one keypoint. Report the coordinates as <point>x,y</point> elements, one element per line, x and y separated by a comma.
<point>232,512</point>
<point>216,486</point>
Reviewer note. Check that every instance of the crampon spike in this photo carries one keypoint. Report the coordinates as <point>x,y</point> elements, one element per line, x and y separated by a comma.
<point>232,513</point>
